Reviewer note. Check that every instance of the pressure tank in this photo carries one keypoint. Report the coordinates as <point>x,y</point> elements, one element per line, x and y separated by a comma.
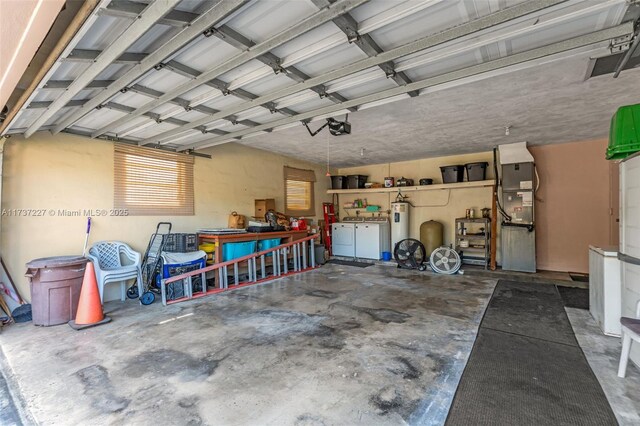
<point>431,235</point>
<point>399,222</point>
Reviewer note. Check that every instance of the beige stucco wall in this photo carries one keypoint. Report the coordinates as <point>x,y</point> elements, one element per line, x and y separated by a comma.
<point>71,172</point>
<point>442,205</point>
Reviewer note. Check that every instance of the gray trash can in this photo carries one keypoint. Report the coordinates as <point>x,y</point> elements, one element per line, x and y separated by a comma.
<point>55,284</point>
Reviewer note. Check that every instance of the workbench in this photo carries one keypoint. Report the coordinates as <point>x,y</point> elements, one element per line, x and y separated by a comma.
<point>221,240</point>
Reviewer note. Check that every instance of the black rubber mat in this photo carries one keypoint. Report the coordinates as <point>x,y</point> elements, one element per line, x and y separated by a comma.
<point>529,309</point>
<point>350,263</point>
<point>520,376</point>
<point>574,297</point>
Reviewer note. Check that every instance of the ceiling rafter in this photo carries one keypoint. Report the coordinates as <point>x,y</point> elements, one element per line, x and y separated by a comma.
<point>147,19</point>
<point>90,56</point>
<point>514,59</point>
<point>239,41</point>
<point>460,31</point>
<point>131,10</point>
<point>365,42</point>
<point>311,22</point>
<point>216,13</point>
<point>63,84</point>
<point>115,106</point>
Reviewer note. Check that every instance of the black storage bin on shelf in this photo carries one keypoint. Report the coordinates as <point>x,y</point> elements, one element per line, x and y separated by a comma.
<point>452,174</point>
<point>476,171</point>
<point>356,181</point>
<point>180,243</point>
<point>338,182</point>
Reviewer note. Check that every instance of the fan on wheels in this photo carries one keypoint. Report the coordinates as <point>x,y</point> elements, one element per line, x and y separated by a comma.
<point>445,260</point>
<point>410,253</point>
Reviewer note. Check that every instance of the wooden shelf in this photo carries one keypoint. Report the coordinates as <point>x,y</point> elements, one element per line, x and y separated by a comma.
<point>459,185</point>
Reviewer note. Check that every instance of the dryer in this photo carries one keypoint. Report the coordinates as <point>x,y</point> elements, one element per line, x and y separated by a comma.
<point>343,239</point>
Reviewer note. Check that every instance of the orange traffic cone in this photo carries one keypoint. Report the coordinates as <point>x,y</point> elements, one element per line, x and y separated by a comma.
<point>89,307</point>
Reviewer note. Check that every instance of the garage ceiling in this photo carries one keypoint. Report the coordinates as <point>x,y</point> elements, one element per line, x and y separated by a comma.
<point>186,75</point>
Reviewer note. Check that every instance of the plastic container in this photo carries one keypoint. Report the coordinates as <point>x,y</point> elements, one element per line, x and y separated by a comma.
<point>338,182</point>
<point>232,251</point>
<point>356,181</point>
<point>55,284</point>
<point>452,174</point>
<point>181,243</point>
<point>624,133</point>
<point>386,256</point>
<point>267,244</point>
<point>319,253</point>
<point>476,171</point>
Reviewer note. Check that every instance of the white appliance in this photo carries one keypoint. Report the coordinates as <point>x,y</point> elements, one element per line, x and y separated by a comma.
<point>372,238</point>
<point>605,288</point>
<point>629,253</point>
<point>343,239</point>
<point>399,222</point>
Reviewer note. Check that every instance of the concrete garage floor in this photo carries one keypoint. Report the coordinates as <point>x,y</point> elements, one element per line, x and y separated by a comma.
<point>339,345</point>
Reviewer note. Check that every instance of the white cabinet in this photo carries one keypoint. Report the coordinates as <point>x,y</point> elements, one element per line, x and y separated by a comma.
<point>371,240</point>
<point>605,288</point>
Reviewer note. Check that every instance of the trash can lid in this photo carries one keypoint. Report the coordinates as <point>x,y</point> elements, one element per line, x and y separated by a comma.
<point>56,262</point>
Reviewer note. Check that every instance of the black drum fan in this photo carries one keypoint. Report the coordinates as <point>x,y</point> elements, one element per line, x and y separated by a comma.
<point>410,254</point>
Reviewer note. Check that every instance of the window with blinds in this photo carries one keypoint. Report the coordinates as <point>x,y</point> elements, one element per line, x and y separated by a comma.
<point>151,182</point>
<point>298,192</point>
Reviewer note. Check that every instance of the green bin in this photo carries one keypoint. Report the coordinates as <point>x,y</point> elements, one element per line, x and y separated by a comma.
<point>624,134</point>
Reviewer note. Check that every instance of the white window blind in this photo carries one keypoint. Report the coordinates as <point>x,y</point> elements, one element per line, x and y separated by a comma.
<point>150,182</point>
<point>298,192</point>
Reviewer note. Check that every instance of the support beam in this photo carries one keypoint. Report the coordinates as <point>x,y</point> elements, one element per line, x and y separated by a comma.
<point>151,14</point>
<point>463,30</point>
<point>216,13</point>
<point>47,104</point>
<point>63,84</point>
<point>365,42</point>
<point>239,41</point>
<point>313,21</point>
<point>131,10</point>
<point>90,56</point>
<point>515,59</point>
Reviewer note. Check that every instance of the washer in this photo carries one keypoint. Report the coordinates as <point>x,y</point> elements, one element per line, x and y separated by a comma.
<point>372,238</point>
<point>343,238</point>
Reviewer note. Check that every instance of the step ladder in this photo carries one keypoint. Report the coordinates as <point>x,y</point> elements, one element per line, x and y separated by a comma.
<point>329,219</point>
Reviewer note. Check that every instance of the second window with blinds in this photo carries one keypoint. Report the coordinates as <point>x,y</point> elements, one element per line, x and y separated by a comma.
<point>298,192</point>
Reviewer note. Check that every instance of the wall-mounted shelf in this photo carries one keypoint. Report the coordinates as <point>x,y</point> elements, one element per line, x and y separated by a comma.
<point>459,185</point>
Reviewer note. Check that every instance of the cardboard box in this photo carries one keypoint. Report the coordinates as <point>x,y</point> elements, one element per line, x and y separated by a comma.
<point>263,206</point>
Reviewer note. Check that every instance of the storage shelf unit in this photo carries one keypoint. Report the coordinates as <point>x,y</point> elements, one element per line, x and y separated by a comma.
<point>459,185</point>
<point>481,253</point>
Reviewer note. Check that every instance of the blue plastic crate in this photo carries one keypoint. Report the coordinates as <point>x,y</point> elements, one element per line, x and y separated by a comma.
<point>267,244</point>
<point>232,251</point>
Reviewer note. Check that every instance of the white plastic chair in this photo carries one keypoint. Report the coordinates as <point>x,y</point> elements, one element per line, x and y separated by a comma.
<point>115,262</point>
<point>630,331</point>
